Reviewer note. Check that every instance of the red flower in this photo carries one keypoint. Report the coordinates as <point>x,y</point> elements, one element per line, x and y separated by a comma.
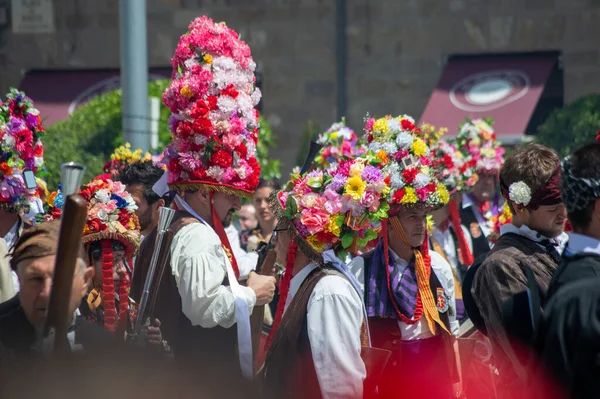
<point>198,174</point>
<point>398,156</point>
<point>598,136</point>
<point>448,163</point>
<point>124,216</point>
<point>183,128</point>
<point>252,180</point>
<point>87,193</point>
<point>369,138</point>
<point>409,175</point>
<point>398,195</point>
<point>95,225</point>
<point>174,166</point>
<point>222,158</point>
<point>55,212</point>
<point>407,125</point>
<point>242,150</point>
<point>203,126</point>
<point>199,110</point>
<point>431,187</point>
<point>230,91</point>
<point>212,103</point>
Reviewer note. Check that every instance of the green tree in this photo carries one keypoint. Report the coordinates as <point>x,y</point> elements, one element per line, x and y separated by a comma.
<point>95,129</point>
<point>572,126</point>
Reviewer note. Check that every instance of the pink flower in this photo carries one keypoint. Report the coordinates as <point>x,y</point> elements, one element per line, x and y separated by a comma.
<point>367,199</point>
<point>422,193</point>
<point>314,220</point>
<point>369,124</point>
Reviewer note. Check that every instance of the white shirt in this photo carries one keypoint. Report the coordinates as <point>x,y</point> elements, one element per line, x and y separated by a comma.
<point>199,265</point>
<point>246,260</point>
<point>483,223</point>
<point>444,238</point>
<point>579,243</point>
<point>334,320</point>
<point>559,242</point>
<point>443,272</point>
<point>11,239</point>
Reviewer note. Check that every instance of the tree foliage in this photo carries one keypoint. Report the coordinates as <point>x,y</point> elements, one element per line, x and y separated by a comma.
<point>572,126</point>
<point>95,129</point>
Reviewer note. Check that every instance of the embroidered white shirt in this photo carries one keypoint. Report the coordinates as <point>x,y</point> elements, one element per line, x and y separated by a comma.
<point>334,320</point>
<point>443,272</point>
<point>199,265</point>
<point>559,242</point>
<point>444,238</point>
<point>579,243</point>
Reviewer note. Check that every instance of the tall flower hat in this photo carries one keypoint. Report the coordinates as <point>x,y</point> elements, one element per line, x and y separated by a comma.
<point>399,147</point>
<point>111,217</point>
<point>122,157</point>
<point>214,124</point>
<point>20,150</point>
<point>450,168</point>
<point>339,209</point>
<point>477,142</point>
<point>339,142</point>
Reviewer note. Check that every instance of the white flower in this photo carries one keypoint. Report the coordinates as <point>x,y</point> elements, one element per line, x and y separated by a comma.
<point>345,133</point>
<point>38,162</point>
<point>389,147</point>
<point>102,215</point>
<point>394,125</point>
<point>216,172</point>
<point>227,104</point>
<point>131,205</point>
<point>241,172</point>
<point>519,193</point>
<point>404,140</point>
<point>408,118</point>
<point>200,139</point>
<point>102,196</point>
<point>375,146</point>
<point>396,180</point>
<point>9,140</point>
<point>421,180</point>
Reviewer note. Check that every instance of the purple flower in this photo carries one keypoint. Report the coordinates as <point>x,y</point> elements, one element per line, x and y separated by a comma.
<point>32,121</point>
<point>15,125</point>
<point>173,119</point>
<point>189,162</point>
<point>30,163</point>
<point>337,183</point>
<point>314,174</point>
<point>301,228</point>
<point>371,174</point>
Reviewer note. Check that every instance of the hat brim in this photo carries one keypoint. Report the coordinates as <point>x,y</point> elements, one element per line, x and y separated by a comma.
<point>130,243</point>
<point>211,186</point>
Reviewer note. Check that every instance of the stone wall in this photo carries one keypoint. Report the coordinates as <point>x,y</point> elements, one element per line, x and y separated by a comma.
<point>396,48</point>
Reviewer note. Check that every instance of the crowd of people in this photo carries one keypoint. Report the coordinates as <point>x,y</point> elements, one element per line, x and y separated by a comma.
<point>396,263</point>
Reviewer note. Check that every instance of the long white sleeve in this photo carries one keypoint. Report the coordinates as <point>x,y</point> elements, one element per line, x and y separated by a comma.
<point>199,265</point>
<point>334,321</point>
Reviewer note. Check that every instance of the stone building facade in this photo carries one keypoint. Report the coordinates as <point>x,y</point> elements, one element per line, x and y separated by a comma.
<point>396,48</point>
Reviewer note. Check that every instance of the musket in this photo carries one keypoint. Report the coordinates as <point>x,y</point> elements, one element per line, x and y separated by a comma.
<point>267,257</point>
<point>72,223</point>
<point>163,259</point>
<point>165,217</point>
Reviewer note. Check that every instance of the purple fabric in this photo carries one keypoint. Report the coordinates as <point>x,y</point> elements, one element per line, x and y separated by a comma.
<point>460,309</point>
<point>404,287</point>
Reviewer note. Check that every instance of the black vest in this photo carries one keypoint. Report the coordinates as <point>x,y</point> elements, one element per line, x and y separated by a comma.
<point>481,245</point>
<point>574,268</point>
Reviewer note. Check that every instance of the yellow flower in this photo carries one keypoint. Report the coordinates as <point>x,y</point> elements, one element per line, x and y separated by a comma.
<point>355,187</point>
<point>332,227</point>
<point>51,198</point>
<point>419,148</point>
<point>488,152</point>
<point>385,191</point>
<point>444,194</point>
<point>357,168</point>
<point>381,125</point>
<point>314,242</point>
<point>505,215</point>
<point>333,135</point>
<point>208,58</point>
<point>410,196</point>
<point>186,92</point>
<point>430,224</point>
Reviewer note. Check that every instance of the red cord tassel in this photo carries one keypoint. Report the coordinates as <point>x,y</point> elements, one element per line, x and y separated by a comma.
<point>108,287</point>
<point>220,230</point>
<point>284,289</point>
<point>464,252</point>
<point>124,286</point>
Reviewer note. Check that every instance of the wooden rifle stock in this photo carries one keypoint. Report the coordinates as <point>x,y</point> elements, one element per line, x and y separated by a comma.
<point>163,258</point>
<point>71,230</point>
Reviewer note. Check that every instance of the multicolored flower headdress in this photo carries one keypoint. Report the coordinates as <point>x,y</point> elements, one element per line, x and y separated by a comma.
<point>477,142</point>
<point>122,157</point>
<point>111,216</point>
<point>214,124</point>
<point>399,147</point>
<point>20,150</point>
<point>339,142</point>
<point>448,164</point>
<point>339,209</point>
<point>52,207</point>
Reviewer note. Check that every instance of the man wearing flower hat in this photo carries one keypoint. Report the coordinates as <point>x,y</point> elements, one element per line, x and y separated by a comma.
<point>339,142</point>
<point>529,180</point>
<point>21,157</point>
<point>409,291</point>
<point>314,349</point>
<point>211,163</point>
<point>483,156</point>
<point>449,237</point>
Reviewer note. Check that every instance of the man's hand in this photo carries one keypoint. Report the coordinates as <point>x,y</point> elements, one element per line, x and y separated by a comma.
<point>263,287</point>
<point>153,335</point>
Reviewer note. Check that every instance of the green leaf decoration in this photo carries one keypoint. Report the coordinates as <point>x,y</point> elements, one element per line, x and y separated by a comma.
<point>347,240</point>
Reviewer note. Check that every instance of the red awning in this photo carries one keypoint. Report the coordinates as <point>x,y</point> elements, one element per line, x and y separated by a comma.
<point>504,87</point>
<point>57,94</point>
